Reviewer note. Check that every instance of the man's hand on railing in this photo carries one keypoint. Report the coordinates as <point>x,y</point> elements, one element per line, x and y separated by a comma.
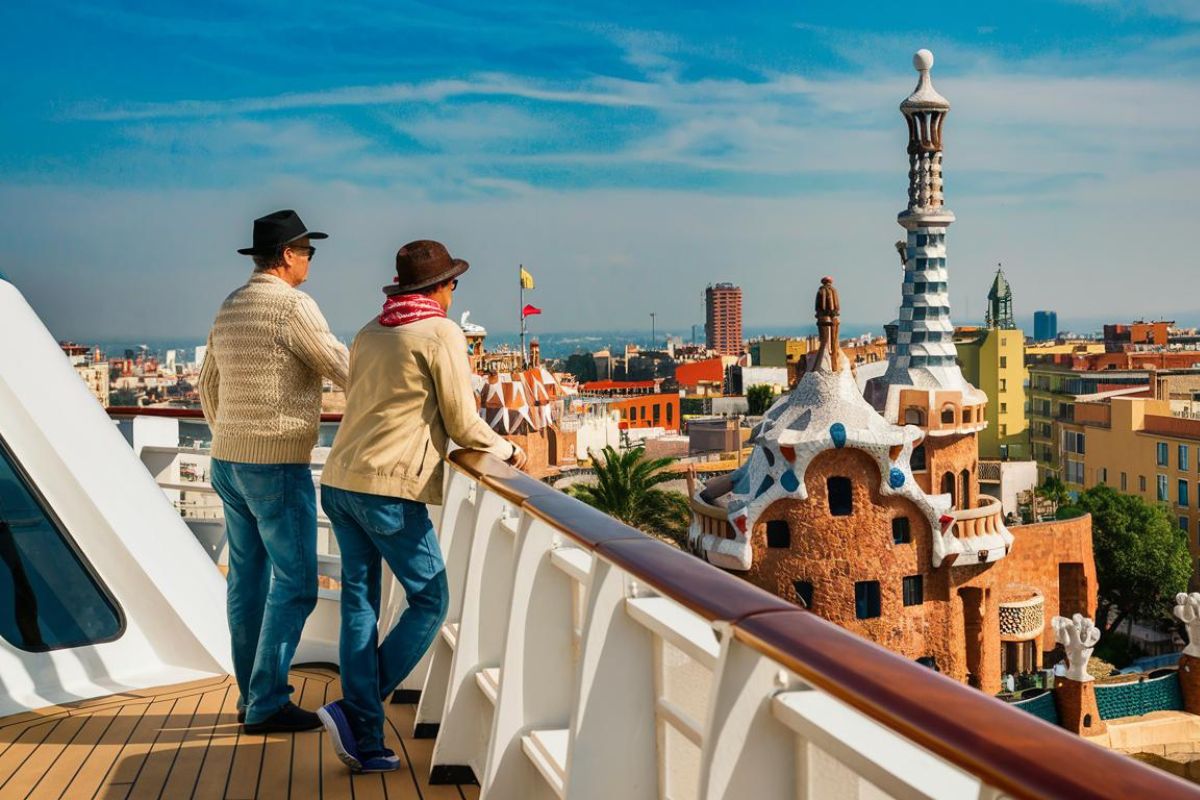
<point>518,459</point>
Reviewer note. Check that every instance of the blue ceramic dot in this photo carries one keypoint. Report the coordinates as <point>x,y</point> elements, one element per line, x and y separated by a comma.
<point>767,483</point>
<point>837,432</point>
<point>741,483</point>
<point>896,478</point>
<point>789,481</point>
<point>770,456</point>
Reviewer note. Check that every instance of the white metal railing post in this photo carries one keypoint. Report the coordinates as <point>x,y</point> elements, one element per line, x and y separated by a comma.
<point>479,639</point>
<point>744,745</point>
<point>537,679</point>
<point>611,749</point>
<point>455,534</point>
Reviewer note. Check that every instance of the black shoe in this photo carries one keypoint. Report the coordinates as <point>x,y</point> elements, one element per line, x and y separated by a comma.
<point>241,716</point>
<point>289,719</point>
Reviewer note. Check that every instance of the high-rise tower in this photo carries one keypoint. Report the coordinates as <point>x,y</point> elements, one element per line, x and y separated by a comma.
<point>723,318</point>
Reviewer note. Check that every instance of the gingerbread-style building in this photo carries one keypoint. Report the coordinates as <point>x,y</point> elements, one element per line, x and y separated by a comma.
<point>867,509</point>
<point>521,400</point>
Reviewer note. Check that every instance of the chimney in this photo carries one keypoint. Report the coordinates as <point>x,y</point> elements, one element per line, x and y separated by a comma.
<point>535,354</point>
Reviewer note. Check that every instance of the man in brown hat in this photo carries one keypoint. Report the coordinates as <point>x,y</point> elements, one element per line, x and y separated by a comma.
<point>409,395</point>
<point>260,389</point>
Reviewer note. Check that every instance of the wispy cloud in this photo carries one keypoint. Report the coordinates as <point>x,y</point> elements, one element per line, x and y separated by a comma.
<point>671,146</point>
<point>1187,10</point>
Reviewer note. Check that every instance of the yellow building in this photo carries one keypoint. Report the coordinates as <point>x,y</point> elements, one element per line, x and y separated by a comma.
<point>993,358</point>
<point>779,352</point>
<point>1136,446</point>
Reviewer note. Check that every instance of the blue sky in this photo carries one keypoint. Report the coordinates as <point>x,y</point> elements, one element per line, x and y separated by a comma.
<point>627,154</point>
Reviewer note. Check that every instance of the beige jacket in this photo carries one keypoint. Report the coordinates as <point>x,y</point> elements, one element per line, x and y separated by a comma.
<point>260,385</point>
<point>409,395</point>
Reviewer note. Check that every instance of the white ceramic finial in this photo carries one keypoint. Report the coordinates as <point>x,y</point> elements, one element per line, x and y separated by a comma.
<point>922,60</point>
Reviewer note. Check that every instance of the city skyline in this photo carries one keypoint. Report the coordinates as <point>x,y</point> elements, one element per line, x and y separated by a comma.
<point>625,164</point>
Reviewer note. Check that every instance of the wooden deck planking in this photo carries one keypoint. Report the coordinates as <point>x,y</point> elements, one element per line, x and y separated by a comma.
<point>54,781</point>
<point>100,761</point>
<point>418,753</point>
<point>184,741</point>
<point>25,741</point>
<point>332,769</point>
<point>23,781</point>
<point>207,727</point>
<point>306,752</point>
<point>129,761</point>
<point>275,774</point>
<point>214,769</point>
<point>152,777</point>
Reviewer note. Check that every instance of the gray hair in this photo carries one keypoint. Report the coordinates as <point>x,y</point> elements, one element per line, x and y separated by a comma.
<point>262,263</point>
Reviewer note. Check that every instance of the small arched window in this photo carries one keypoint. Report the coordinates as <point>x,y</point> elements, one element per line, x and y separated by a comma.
<point>948,487</point>
<point>948,415</point>
<point>841,496</point>
<point>914,416</point>
<point>917,461</point>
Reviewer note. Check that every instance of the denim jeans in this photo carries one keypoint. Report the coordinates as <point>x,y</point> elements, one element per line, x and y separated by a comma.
<point>369,528</point>
<point>271,527</point>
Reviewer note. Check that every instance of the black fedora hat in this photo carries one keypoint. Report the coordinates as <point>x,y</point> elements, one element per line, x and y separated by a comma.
<point>422,264</point>
<point>276,230</point>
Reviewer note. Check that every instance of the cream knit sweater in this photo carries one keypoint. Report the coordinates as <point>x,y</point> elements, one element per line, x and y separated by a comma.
<point>260,385</point>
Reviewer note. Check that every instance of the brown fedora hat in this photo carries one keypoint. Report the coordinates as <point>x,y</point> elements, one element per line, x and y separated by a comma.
<point>422,264</point>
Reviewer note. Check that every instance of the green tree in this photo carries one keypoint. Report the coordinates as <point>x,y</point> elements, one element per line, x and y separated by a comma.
<point>759,397</point>
<point>582,366</point>
<point>1142,558</point>
<point>1055,491</point>
<point>626,488</point>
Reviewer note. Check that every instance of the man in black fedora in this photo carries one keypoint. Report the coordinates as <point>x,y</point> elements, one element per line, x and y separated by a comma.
<point>410,395</point>
<point>260,389</point>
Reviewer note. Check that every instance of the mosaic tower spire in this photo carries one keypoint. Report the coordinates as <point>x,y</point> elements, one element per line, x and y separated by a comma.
<point>924,354</point>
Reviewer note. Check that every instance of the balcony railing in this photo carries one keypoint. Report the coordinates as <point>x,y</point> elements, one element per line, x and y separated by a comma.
<point>583,659</point>
<point>988,471</point>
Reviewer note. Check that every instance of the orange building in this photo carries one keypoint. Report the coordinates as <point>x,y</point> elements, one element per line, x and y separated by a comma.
<point>1152,333</point>
<point>619,388</point>
<point>649,411</point>
<point>702,377</point>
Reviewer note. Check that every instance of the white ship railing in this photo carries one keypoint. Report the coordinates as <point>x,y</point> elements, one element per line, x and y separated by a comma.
<point>582,659</point>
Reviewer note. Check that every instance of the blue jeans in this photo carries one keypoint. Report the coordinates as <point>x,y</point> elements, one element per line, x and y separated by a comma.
<point>369,528</point>
<point>271,527</point>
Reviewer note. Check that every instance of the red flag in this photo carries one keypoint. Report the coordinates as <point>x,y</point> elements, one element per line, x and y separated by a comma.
<point>529,311</point>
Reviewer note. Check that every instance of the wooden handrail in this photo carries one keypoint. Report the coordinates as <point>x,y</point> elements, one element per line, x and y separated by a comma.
<point>1005,747</point>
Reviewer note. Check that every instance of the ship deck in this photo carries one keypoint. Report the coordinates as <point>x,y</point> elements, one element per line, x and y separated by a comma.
<point>183,741</point>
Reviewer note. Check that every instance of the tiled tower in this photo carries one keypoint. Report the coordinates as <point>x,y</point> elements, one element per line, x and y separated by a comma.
<point>924,354</point>
<point>924,385</point>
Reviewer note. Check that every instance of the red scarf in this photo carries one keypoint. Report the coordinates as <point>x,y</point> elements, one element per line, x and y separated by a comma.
<point>403,309</point>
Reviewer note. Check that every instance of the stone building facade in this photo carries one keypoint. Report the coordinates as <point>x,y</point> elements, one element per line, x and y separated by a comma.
<point>865,506</point>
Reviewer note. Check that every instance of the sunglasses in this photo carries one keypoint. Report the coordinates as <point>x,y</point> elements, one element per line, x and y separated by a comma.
<point>454,284</point>
<point>308,251</point>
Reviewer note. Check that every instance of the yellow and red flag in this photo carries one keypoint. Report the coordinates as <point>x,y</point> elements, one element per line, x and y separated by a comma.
<point>526,279</point>
<point>529,311</point>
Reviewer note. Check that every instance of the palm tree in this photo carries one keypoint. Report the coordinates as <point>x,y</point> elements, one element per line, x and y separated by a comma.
<point>759,398</point>
<point>625,489</point>
<point>1053,490</point>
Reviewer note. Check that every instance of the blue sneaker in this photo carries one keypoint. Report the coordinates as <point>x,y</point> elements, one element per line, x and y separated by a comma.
<point>340,734</point>
<point>379,761</point>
